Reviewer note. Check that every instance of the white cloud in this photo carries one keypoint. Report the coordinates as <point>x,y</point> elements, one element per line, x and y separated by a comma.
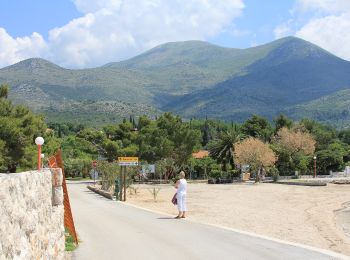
<point>91,6</point>
<point>16,49</point>
<point>112,30</point>
<point>326,6</point>
<point>328,24</point>
<point>330,33</point>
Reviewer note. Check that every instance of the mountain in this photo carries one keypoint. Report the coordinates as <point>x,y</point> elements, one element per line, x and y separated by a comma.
<point>333,109</point>
<point>192,78</point>
<point>292,73</point>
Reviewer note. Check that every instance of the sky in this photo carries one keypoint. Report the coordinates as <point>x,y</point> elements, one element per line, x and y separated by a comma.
<point>91,33</point>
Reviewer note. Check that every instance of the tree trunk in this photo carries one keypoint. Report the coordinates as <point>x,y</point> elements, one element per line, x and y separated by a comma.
<point>12,168</point>
<point>258,173</point>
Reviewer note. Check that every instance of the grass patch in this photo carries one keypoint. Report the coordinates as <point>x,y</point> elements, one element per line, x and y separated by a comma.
<point>70,244</point>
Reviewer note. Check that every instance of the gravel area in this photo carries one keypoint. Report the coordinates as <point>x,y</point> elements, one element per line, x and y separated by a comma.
<point>315,216</point>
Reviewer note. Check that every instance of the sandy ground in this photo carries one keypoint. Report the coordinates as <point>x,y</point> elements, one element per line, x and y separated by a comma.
<point>314,216</point>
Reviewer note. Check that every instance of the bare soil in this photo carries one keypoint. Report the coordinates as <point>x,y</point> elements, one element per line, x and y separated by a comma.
<point>314,216</point>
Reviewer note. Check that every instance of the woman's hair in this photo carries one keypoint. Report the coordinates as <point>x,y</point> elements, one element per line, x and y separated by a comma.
<point>182,174</point>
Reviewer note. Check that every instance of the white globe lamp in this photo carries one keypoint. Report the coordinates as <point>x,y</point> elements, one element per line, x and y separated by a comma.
<point>39,141</point>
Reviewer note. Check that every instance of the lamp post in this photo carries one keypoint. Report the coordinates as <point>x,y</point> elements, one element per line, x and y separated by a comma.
<point>315,166</point>
<point>39,141</point>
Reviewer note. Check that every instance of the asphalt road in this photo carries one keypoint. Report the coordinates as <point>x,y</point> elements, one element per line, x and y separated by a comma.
<point>112,230</point>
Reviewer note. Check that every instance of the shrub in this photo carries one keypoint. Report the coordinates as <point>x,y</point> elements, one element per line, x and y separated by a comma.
<point>274,173</point>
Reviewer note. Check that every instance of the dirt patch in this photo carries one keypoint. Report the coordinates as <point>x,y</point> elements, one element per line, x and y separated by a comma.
<point>299,214</point>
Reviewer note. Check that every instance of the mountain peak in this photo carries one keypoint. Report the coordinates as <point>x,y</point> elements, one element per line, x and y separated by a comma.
<point>296,47</point>
<point>33,64</point>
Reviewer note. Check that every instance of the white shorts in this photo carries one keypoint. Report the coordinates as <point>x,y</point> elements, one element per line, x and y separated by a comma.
<point>181,201</point>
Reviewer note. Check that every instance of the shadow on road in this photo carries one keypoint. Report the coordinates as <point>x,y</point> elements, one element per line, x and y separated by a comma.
<point>165,218</point>
<point>98,196</point>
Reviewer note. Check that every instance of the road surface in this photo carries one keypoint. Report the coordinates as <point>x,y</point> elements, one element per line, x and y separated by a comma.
<point>112,230</point>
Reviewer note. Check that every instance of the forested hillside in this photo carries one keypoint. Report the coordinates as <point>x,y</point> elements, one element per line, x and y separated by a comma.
<point>192,79</point>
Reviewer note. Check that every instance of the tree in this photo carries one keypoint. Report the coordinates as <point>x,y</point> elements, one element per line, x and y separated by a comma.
<point>282,121</point>
<point>257,154</point>
<point>332,158</point>
<point>167,167</point>
<point>202,166</point>
<point>222,148</point>
<point>206,135</point>
<point>109,172</point>
<point>111,149</point>
<point>153,143</point>
<point>18,129</point>
<point>257,127</point>
<point>294,149</point>
<point>167,137</point>
<point>295,141</point>
<point>324,135</point>
<point>4,90</point>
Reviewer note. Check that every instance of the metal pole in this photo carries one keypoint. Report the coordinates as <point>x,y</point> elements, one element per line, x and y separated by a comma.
<point>124,183</point>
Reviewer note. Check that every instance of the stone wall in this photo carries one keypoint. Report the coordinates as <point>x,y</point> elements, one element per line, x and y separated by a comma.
<point>31,215</point>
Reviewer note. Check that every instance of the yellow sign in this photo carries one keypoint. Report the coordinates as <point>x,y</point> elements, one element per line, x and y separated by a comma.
<point>128,161</point>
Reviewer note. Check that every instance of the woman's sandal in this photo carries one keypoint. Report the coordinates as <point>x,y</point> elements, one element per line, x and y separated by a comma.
<point>177,217</point>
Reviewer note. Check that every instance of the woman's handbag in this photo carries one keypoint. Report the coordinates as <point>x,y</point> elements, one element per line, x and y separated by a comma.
<point>174,199</point>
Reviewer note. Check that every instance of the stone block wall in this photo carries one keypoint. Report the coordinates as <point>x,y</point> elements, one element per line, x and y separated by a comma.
<point>31,215</point>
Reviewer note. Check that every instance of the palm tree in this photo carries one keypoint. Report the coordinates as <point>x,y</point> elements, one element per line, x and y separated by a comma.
<point>222,148</point>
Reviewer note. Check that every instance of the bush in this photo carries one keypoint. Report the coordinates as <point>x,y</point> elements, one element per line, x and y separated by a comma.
<point>214,174</point>
<point>109,172</point>
<point>236,173</point>
<point>274,173</point>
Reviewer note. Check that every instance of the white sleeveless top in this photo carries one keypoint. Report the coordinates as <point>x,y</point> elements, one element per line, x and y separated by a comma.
<point>182,186</point>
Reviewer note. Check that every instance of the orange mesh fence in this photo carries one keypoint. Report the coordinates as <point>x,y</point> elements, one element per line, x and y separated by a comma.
<point>56,161</point>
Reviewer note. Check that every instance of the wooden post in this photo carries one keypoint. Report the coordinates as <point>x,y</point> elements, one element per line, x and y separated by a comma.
<point>124,183</point>
<point>121,184</point>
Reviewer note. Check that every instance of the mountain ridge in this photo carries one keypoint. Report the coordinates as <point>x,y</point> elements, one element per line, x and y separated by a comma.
<point>193,79</point>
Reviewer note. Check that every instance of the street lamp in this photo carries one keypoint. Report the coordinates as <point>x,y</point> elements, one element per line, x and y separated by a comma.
<point>39,141</point>
<point>315,166</point>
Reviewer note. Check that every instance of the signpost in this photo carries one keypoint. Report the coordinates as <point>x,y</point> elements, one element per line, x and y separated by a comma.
<point>128,161</point>
<point>123,162</point>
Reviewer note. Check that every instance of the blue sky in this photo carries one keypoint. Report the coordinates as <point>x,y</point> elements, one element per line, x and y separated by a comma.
<point>88,33</point>
<point>23,17</point>
<point>257,23</point>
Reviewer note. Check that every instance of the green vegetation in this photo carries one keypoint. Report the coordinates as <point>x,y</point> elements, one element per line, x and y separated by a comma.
<point>18,129</point>
<point>332,109</point>
<point>293,72</point>
<point>70,244</point>
<point>168,141</point>
<point>191,79</point>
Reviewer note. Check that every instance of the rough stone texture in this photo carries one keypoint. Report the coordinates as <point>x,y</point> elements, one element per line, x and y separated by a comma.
<point>31,227</point>
<point>57,191</point>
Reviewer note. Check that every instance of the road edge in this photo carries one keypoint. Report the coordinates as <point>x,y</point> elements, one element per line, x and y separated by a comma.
<point>316,249</point>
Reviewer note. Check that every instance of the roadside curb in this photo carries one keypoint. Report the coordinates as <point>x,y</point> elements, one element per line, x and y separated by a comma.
<point>101,192</point>
<point>311,184</point>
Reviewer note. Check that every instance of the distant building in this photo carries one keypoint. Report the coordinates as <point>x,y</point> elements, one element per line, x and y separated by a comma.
<point>200,154</point>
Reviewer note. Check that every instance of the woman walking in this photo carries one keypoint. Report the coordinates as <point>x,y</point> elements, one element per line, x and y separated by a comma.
<point>181,186</point>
